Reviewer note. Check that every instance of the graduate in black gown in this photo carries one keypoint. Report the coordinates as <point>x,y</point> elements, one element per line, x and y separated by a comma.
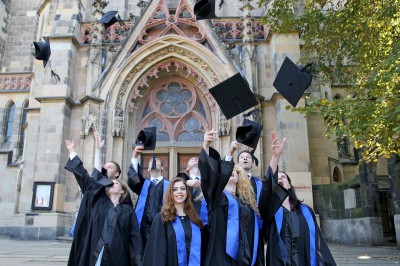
<point>150,190</point>
<point>175,236</point>
<point>88,225</point>
<point>232,210</point>
<point>246,160</point>
<point>294,237</point>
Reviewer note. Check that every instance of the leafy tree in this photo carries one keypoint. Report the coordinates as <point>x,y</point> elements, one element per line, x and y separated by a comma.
<point>353,45</point>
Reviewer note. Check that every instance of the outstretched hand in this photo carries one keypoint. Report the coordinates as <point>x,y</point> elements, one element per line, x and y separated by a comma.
<point>97,140</point>
<point>277,146</point>
<point>209,137</point>
<point>70,145</point>
<point>137,151</point>
<point>234,147</point>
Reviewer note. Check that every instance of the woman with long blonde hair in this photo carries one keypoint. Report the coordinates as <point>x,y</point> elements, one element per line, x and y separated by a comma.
<point>175,236</point>
<point>232,210</point>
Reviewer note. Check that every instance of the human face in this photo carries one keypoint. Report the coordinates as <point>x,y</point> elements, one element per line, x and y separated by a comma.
<point>179,192</point>
<point>112,172</point>
<point>116,188</point>
<point>245,161</point>
<point>283,180</point>
<point>193,162</point>
<point>234,177</point>
<point>158,164</point>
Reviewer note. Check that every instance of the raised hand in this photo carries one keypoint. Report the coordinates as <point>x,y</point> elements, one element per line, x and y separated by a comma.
<point>70,145</point>
<point>97,140</point>
<point>194,183</point>
<point>234,147</point>
<point>137,151</point>
<point>277,146</point>
<point>209,136</point>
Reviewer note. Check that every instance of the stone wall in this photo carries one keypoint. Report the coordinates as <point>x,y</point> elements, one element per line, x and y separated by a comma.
<point>4,18</point>
<point>342,218</point>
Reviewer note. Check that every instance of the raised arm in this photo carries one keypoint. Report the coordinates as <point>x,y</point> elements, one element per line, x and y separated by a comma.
<point>215,172</point>
<point>135,172</point>
<point>75,166</point>
<point>272,194</point>
<point>97,151</point>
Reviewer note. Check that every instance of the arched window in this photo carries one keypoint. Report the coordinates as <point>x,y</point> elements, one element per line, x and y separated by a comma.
<point>22,128</point>
<point>337,175</point>
<point>9,122</point>
<point>176,109</point>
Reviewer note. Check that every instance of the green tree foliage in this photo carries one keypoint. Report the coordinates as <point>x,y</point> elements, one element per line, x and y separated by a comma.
<point>354,45</point>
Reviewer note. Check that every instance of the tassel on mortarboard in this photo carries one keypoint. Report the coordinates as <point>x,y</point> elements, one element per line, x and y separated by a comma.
<point>254,157</point>
<point>153,163</point>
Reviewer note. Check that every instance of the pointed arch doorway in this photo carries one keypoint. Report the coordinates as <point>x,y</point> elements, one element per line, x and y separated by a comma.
<point>180,112</point>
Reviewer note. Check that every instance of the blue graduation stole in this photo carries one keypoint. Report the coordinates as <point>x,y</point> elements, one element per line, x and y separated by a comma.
<point>195,245</point>
<point>204,212</point>
<point>258,193</point>
<point>311,229</point>
<point>258,186</point>
<point>232,228</point>
<point>139,209</point>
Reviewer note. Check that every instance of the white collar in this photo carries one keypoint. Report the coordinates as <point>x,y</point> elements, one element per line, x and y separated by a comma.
<point>193,177</point>
<point>160,178</point>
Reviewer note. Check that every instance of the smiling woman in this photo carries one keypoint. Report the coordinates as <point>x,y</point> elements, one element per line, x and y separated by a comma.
<point>175,236</point>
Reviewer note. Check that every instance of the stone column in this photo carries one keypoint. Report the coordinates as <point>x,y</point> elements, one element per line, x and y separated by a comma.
<point>394,174</point>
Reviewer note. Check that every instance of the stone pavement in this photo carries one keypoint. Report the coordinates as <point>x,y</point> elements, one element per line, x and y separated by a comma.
<point>44,253</point>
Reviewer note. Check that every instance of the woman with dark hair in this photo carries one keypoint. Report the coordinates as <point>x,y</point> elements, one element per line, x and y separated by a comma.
<point>293,235</point>
<point>175,236</point>
<point>232,210</point>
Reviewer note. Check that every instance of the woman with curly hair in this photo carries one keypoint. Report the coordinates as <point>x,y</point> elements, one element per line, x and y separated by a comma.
<point>175,236</point>
<point>232,210</point>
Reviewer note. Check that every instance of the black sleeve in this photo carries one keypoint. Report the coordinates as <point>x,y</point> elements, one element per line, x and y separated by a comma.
<point>135,241</point>
<point>272,196</point>
<point>135,179</point>
<point>215,174</point>
<point>99,179</point>
<point>75,166</point>
<point>156,250</point>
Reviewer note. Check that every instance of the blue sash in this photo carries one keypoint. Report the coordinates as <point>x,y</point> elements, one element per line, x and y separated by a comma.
<point>204,212</point>
<point>311,229</point>
<point>141,203</point>
<point>232,229</point>
<point>195,245</point>
<point>258,186</point>
<point>255,244</point>
<point>258,193</point>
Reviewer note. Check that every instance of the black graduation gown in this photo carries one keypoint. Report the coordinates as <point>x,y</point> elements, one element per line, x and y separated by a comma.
<point>261,238</point>
<point>271,199</point>
<point>91,189</point>
<point>161,246</point>
<point>154,200</point>
<point>122,241</point>
<point>215,175</point>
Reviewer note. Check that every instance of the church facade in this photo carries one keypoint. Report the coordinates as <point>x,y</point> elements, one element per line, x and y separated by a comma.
<point>154,68</point>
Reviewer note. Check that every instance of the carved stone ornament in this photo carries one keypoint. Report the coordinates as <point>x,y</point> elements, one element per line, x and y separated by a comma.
<point>90,118</point>
<point>224,126</point>
<point>118,123</point>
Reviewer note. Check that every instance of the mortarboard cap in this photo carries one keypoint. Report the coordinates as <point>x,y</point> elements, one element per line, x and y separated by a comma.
<point>42,50</point>
<point>147,138</point>
<point>204,9</point>
<point>109,18</point>
<point>183,176</point>
<point>291,81</point>
<point>233,96</point>
<point>249,133</point>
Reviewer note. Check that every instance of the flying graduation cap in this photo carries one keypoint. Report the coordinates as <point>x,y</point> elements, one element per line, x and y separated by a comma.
<point>291,81</point>
<point>148,138</point>
<point>234,96</point>
<point>249,134</point>
<point>204,9</point>
<point>109,18</point>
<point>43,52</point>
